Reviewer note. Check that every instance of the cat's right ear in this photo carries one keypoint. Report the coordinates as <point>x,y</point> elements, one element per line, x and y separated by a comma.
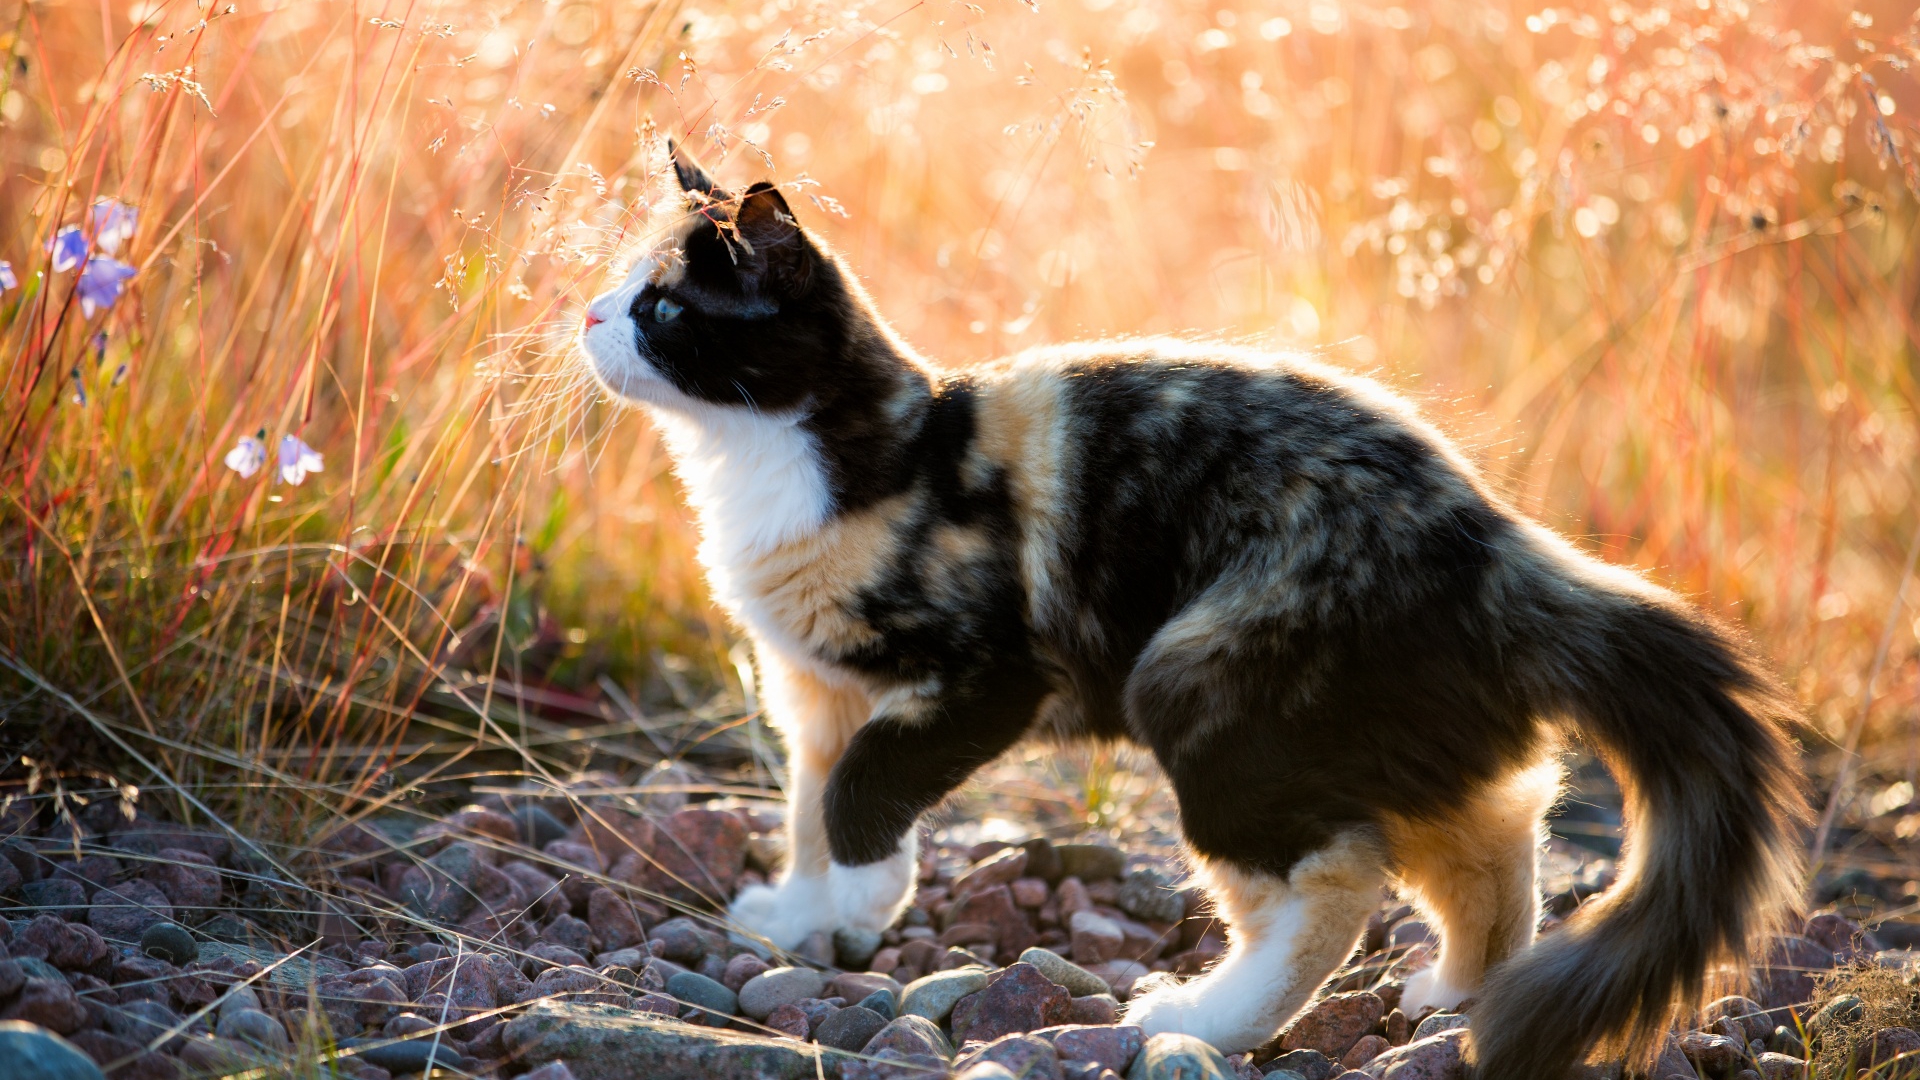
<point>693,179</point>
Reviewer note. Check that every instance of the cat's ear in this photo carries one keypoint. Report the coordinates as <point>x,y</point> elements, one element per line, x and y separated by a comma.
<point>767,223</point>
<point>693,179</point>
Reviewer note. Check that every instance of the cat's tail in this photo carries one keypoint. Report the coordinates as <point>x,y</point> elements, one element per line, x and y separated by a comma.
<point>1694,729</point>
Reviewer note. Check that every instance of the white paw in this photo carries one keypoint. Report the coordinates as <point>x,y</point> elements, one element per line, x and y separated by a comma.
<point>871,897</point>
<point>785,914</point>
<point>1425,987</point>
<point>1208,1009</point>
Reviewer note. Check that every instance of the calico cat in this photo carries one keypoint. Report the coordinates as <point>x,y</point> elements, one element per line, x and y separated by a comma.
<point>1353,660</point>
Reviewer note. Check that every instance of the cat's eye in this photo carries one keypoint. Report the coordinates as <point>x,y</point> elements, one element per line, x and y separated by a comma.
<point>665,310</point>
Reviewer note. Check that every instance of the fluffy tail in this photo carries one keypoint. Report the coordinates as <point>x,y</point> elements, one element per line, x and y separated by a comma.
<point>1694,729</point>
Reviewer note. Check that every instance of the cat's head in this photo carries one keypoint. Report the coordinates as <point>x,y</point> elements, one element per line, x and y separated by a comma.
<point>733,306</point>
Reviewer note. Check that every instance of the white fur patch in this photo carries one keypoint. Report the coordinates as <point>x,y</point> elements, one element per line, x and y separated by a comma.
<point>1425,987</point>
<point>871,897</point>
<point>785,914</point>
<point>1238,1004</point>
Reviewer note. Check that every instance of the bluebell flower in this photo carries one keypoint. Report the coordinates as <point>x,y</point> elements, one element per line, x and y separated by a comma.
<point>7,280</point>
<point>101,283</point>
<point>249,454</point>
<point>113,224</point>
<point>69,249</point>
<point>297,459</point>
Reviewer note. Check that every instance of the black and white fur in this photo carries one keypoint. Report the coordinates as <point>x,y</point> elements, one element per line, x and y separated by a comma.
<point>1353,660</point>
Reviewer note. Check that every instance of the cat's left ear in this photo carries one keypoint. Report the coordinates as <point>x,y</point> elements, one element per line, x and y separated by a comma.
<point>767,223</point>
<point>693,178</point>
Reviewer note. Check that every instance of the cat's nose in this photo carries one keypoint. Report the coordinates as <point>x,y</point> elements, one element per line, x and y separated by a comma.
<point>593,321</point>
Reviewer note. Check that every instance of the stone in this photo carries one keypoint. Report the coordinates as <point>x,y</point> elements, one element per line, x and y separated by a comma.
<point>1713,1055</point>
<point>933,996</point>
<point>1017,998</point>
<point>681,940</point>
<point>12,978</point>
<point>911,1035</point>
<point>1306,1064</point>
<point>552,1070</point>
<point>696,989</point>
<point>985,1070</point>
<point>411,1056</point>
<point>1093,1009</point>
<point>1027,1057</point>
<point>1772,1066</point>
<point>1094,938</point>
<point>1785,977</point>
<point>853,947</point>
<point>968,933</point>
<point>1441,1057</point>
<point>1398,1029</point>
<point>994,907</point>
<point>187,878</point>
<point>741,970</point>
<point>1439,1022</point>
<point>50,1003</point>
<point>34,1052</point>
<point>1086,1070</point>
<point>1090,862</point>
<point>816,947</point>
<point>849,1029</point>
<point>1043,860</point>
<point>602,1043</point>
<point>882,1002</point>
<point>1030,892</point>
<point>1120,975</point>
<point>771,989</point>
<point>1334,1024</point>
<point>1113,1047</point>
<point>855,985</point>
<point>1151,895</point>
<point>612,920</point>
<point>790,1020</point>
<point>136,1062</point>
<point>1078,980</point>
<point>1000,868</point>
<point>894,1065</point>
<point>1740,1019</point>
<point>170,942</point>
<point>62,896</point>
<point>696,857</point>
<point>1888,1044</point>
<point>1365,1050</point>
<point>255,1027</point>
<point>1171,1056</point>
<point>124,911</point>
<point>542,890</point>
<point>569,932</point>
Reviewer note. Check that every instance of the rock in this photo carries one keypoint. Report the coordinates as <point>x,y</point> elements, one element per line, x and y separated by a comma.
<point>1078,980</point>
<point>1169,1056</point>
<point>612,920</point>
<point>1095,939</point>
<point>1713,1055</point>
<point>994,907</point>
<point>1120,975</point>
<point>790,1020</point>
<point>1306,1064</point>
<point>187,878</point>
<point>1740,1019</point>
<point>894,1065</point>
<point>681,940</point>
<point>143,1022</point>
<point>1027,1057</point>
<point>50,1003</point>
<point>1398,1029</point>
<point>1018,998</point>
<point>1772,1066</point>
<point>1890,1043</point>
<point>1030,892</point>
<point>1152,895</point>
<point>854,947</point>
<point>412,1056</point>
<point>1844,1009</point>
<point>36,1053</point>
<point>850,1029</point>
<point>1093,1009</point>
<point>771,989</point>
<point>62,896</point>
<point>985,1070</point>
<point>1786,976</point>
<point>1439,1022</point>
<point>1365,1050</point>
<point>170,942</point>
<point>542,890</point>
<point>537,827</point>
<point>818,948</point>
<point>910,1035</point>
<point>601,1043</point>
<point>255,1027</point>
<point>548,954</point>
<point>999,868</point>
<point>697,856</point>
<point>933,996</point>
<point>1090,862</point>
<point>854,985</point>
<point>1043,860</point>
<point>552,1070</point>
<point>569,932</point>
<point>12,978</point>
<point>882,1002</point>
<point>1113,1047</point>
<point>1334,1024</point>
<point>1441,1057</point>
<point>696,989</point>
<point>741,970</point>
<point>968,933</point>
<point>136,1062</point>
<point>124,911</point>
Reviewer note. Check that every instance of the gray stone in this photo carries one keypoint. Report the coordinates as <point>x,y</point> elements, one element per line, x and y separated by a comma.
<point>696,989</point>
<point>1090,862</point>
<point>1170,1056</point>
<point>538,828</point>
<point>603,1043</point>
<point>1078,980</point>
<point>1306,1064</point>
<point>911,1035</point>
<point>933,996</point>
<point>769,990</point>
<point>882,1002</point>
<point>1151,895</point>
<point>1439,1022</point>
<point>31,1052</point>
<point>854,947</point>
<point>170,942</point>
<point>411,1056</point>
<point>849,1029</point>
<point>253,1026</point>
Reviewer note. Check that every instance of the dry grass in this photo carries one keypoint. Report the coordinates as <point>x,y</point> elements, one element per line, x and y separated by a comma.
<point>1652,262</point>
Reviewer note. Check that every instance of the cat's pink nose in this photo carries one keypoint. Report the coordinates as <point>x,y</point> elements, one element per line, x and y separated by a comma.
<point>593,320</point>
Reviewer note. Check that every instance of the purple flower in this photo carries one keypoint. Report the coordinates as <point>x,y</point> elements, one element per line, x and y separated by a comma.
<point>297,459</point>
<point>248,455</point>
<point>7,280</point>
<point>113,224</point>
<point>69,249</point>
<point>101,283</point>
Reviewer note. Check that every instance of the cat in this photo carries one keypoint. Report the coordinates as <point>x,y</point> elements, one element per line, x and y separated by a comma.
<point>1354,660</point>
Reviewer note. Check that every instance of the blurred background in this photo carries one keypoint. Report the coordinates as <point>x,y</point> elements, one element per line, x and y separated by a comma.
<point>306,507</point>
